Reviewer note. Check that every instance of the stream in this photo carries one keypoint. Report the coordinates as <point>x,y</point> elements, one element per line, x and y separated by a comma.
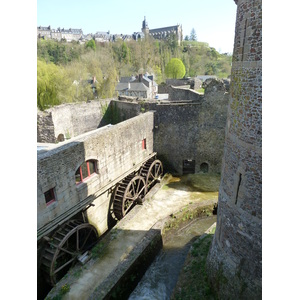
<point>161,277</point>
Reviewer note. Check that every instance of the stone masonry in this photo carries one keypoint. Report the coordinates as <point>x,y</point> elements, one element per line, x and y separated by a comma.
<point>69,120</point>
<point>235,259</point>
<point>189,128</point>
<point>116,150</point>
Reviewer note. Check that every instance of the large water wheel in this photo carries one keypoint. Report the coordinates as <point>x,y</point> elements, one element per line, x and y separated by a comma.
<point>67,243</point>
<point>152,171</point>
<point>128,192</point>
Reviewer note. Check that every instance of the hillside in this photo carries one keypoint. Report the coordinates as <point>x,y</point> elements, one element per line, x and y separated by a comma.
<point>65,71</point>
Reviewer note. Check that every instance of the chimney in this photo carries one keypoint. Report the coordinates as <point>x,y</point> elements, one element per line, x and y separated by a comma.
<point>140,77</point>
<point>129,85</point>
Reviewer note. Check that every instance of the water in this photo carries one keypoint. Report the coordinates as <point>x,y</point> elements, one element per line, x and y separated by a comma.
<point>161,277</point>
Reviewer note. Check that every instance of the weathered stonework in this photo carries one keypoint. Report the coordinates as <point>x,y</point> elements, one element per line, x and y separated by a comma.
<point>115,148</point>
<point>191,128</point>
<point>69,120</point>
<point>186,129</point>
<point>235,260</point>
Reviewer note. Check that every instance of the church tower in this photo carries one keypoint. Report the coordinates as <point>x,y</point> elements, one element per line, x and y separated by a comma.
<point>145,28</point>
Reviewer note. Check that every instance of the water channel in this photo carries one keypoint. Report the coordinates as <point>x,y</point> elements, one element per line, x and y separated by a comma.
<point>161,277</point>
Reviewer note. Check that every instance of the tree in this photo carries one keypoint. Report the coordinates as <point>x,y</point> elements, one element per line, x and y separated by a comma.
<point>91,44</point>
<point>193,35</point>
<point>48,79</point>
<point>175,68</point>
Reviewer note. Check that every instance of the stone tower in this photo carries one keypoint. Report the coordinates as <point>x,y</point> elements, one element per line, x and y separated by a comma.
<point>145,28</point>
<point>234,262</point>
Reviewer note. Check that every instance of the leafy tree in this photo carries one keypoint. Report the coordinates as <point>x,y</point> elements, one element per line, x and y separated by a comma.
<point>175,68</point>
<point>48,78</point>
<point>90,44</point>
<point>186,38</point>
<point>193,35</point>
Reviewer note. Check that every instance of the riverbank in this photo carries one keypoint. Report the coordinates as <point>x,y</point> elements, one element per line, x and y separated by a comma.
<point>116,258</point>
<point>193,282</point>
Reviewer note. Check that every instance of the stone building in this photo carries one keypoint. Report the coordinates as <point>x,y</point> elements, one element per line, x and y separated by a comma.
<point>57,34</point>
<point>141,86</point>
<point>164,32</point>
<point>44,32</point>
<point>235,259</point>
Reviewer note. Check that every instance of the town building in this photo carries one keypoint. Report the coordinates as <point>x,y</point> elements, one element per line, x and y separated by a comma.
<point>141,86</point>
<point>101,36</point>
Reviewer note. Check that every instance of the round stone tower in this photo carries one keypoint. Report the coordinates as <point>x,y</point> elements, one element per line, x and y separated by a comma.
<point>234,262</point>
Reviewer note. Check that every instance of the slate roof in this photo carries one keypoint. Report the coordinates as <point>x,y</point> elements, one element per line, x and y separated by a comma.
<point>134,86</point>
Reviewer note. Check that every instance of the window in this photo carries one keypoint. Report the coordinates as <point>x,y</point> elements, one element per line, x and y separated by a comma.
<point>144,144</point>
<point>204,167</point>
<point>188,166</point>
<point>49,196</point>
<point>87,169</point>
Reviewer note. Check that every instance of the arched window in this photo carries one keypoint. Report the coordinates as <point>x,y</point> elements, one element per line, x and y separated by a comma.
<point>60,138</point>
<point>87,169</point>
<point>204,167</point>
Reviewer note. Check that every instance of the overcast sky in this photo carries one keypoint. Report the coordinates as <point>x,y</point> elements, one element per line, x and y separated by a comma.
<point>213,20</point>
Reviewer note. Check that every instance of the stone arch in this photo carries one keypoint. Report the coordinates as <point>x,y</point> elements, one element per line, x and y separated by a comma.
<point>60,137</point>
<point>204,167</point>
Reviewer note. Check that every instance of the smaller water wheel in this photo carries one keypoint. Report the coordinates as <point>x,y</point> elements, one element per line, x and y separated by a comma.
<point>152,171</point>
<point>128,192</point>
<point>71,240</point>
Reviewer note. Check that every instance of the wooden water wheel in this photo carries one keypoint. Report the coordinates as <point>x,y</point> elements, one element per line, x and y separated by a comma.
<point>152,171</point>
<point>67,243</point>
<point>128,192</point>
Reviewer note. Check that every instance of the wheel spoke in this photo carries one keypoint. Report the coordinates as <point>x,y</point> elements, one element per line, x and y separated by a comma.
<point>66,251</point>
<point>64,265</point>
<point>85,240</point>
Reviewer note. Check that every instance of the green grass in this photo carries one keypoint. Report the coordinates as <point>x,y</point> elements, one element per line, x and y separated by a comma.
<point>201,91</point>
<point>193,281</point>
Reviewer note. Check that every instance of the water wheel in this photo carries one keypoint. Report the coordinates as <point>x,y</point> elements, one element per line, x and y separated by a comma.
<point>128,192</point>
<point>71,240</point>
<point>152,171</point>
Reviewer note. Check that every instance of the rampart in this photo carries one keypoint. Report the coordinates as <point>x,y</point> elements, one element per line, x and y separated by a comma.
<point>235,259</point>
<point>180,93</point>
<point>68,120</point>
<point>185,131</point>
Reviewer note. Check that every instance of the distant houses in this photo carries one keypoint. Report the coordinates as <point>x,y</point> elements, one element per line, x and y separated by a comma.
<point>59,34</point>
<point>77,35</point>
<point>141,86</point>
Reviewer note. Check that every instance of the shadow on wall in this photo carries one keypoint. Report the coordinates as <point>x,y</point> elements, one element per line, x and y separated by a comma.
<point>111,114</point>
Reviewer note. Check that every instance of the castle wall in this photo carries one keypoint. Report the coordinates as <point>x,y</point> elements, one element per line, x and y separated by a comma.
<point>116,149</point>
<point>235,260</point>
<point>194,131</point>
<point>45,127</point>
<point>71,120</point>
<point>198,127</point>
<point>186,131</point>
<point>179,93</point>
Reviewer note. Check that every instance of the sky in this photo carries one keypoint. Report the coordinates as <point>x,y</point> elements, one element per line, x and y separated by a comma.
<point>213,20</point>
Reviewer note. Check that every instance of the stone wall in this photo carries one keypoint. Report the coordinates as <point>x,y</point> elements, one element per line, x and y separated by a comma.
<point>179,93</point>
<point>186,130</point>
<point>69,120</point>
<point>45,127</point>
<point>192,131</point>
<point>235,260</point>
<point>116,149</point>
